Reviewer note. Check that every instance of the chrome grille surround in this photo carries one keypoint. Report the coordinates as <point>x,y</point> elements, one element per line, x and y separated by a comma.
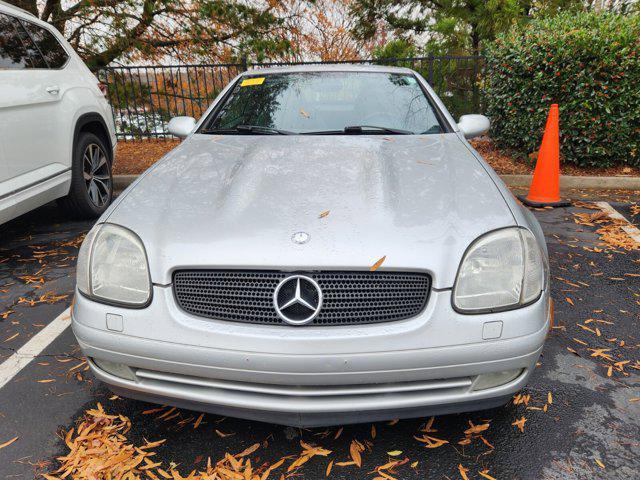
<point>349,298</point>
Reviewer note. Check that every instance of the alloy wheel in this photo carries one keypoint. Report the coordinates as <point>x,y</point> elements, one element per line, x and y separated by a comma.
<point>97,176</point>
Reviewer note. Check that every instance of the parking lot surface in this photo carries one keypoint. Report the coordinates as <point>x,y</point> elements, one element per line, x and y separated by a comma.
<point>578,418</point>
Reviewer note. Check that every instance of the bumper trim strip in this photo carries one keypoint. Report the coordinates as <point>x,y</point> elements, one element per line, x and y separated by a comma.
<point>309,390</point>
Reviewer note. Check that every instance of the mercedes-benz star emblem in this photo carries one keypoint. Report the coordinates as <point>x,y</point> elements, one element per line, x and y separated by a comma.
<point>297,299</point>
<point>300,238</point>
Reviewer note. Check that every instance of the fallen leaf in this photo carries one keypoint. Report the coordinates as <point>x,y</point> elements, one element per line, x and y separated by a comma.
<point>324,214</point>
<point>476,428</point>
<point>329,467</point>
<point>463,472</point>
<point>12,337</point>
<point>354,451</point>
<point>431,442</point>
<point>520,424</point>
<point>248,451</point>
<point>394,453</point>
<point>8,442</point>
<point>485,474</point>
<point>377,265</point>
<point>198,421</point>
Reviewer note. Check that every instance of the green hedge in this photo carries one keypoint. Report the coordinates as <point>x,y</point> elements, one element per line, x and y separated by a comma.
<point>589,64</point>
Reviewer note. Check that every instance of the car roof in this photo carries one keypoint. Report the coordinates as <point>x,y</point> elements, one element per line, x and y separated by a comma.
<point>331,67</point>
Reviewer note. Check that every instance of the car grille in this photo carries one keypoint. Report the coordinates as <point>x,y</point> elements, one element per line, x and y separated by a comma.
<point>348,297</point>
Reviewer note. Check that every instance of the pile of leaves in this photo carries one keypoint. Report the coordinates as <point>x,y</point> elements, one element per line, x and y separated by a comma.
<point>610,230</point>
<point>99,450</point>
<point>588,63</point>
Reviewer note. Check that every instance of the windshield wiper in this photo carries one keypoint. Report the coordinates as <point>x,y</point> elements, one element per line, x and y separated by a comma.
<point>256,129</point>
<point>362,130</point>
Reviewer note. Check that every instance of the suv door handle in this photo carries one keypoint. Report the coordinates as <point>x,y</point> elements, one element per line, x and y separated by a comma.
<point>53,89</point>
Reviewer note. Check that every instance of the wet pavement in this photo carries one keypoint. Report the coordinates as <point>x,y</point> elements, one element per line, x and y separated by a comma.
<point>581,408</point>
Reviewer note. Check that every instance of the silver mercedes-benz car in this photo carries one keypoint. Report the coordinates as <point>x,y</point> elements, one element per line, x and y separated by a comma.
<point>323,247</point>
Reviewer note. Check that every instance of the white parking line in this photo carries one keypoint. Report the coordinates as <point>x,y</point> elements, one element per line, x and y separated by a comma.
<point>23,356</point>
<point>630,228</point>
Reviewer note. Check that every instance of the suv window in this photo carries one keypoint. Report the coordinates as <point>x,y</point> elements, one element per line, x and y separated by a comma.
<point>13,54</point>
<point>54,54</point>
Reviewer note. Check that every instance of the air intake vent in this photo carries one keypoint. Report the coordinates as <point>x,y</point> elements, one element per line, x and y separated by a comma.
<point>348,297</point>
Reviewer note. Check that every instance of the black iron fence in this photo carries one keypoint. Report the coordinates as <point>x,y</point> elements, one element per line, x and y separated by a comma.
<point>144,98</point>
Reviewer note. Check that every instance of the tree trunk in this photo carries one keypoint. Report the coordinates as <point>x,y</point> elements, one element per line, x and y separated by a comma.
<point>475,40</point>
<point>28,5</point>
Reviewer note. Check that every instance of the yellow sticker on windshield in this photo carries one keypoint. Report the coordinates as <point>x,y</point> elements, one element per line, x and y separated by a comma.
<point>249,82</point>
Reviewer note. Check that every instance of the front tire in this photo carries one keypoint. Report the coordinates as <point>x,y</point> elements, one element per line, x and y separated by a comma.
<point>91,181</point>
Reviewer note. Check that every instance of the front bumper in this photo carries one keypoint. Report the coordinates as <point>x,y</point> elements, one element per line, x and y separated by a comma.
<point>311,376</point>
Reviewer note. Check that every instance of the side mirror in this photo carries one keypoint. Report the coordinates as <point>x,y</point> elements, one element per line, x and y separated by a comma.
<point>473,125</point>
<point>181,126</point>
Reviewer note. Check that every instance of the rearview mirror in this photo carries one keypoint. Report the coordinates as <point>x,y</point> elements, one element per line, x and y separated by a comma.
<point>181,126</point>
<point>473,125</point>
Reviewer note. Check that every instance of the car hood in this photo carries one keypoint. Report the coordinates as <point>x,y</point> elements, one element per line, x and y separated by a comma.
<point>236,201</point>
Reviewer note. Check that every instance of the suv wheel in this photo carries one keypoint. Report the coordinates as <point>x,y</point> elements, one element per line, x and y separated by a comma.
<point>91,183</point>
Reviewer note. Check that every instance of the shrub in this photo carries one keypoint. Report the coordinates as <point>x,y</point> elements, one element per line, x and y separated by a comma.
<point>589,64</point>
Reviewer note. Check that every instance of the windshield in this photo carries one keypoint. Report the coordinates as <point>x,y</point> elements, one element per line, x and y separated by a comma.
<point>326,102</point>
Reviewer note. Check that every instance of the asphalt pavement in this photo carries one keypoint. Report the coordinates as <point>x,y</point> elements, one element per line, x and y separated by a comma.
<point>581,409</point>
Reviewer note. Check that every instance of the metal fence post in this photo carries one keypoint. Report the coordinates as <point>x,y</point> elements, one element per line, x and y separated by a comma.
<point>430,79</point>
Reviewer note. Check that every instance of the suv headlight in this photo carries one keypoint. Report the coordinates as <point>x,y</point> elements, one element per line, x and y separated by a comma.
<point>113,268</point>
<point>501,270</point>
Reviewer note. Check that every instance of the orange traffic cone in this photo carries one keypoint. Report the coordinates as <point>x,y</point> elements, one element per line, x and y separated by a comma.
<point>545,187</point>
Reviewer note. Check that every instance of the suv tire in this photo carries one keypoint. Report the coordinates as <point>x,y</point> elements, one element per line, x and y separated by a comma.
<point>91,181</point>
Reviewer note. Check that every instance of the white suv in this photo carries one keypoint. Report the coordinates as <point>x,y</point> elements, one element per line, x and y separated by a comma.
<point>57,136</point>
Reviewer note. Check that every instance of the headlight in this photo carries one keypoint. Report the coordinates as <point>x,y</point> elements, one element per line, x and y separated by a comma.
<point>112,266</point>
<point>500,270</point>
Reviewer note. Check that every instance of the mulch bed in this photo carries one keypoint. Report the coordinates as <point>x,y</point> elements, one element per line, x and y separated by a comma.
<point>134,157</point>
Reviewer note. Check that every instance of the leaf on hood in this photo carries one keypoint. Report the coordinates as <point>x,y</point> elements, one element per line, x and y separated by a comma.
<point>377,265</point>
<point>463,472</point>
<point>324,214</point>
